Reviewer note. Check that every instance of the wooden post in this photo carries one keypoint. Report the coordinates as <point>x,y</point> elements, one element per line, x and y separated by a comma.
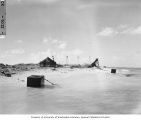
<point>67,60</point>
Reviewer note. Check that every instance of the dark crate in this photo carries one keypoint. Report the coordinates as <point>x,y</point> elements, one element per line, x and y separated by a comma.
<point>35,81</point>
<point>113,70</point>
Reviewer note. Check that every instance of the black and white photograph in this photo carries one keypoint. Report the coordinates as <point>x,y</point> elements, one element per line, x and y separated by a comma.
<point>70,57</point>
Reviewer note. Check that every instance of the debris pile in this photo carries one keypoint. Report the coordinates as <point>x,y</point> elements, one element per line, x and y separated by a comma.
<point>95,63</point>
<point>4,70</point>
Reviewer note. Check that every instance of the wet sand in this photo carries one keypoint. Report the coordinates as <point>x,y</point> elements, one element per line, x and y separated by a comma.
<point>77,91</point>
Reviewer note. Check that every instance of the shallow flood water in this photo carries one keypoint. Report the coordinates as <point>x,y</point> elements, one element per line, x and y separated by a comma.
<point>76,92</point>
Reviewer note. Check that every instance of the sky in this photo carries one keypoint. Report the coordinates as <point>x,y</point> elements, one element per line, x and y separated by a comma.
<point>86,29</point>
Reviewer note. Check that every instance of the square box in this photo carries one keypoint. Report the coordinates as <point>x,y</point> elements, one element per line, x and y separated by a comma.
<point>35,81</point>
<point>113,70</point>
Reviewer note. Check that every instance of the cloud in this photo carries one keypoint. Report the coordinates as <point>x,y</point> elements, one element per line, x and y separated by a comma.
<point>127,31</point>
<point>47,1</point>
<point>85,6</point>
<point>51,40</point>
<point>19,0</point>
<point>108,31</point>
<point>132,30</point>
<point>122,26</point>
<point>2,36</point>
<point>39,1</point>
<point>55,41</point>
<point>62,45</point>
<point>17,51</point>
<point>19,41</point>
<point>12,52</point>
<point>32,1</point>
<point>136,30</point>
<point>45,40</point>
<point>122,29</point>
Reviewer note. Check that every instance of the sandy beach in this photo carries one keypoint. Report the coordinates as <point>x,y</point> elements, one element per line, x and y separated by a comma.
<point>77,91</point>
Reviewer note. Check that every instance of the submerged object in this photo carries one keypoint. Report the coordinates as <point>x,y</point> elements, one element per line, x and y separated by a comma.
<point>113,70</point>
<point>35,81</point>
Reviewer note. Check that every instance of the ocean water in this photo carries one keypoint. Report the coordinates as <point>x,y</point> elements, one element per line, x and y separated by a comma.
<point>129,71</point>
<point>78,91</point>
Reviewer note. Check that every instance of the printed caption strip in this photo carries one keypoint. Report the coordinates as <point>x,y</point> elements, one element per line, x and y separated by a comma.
<point>2,18</point>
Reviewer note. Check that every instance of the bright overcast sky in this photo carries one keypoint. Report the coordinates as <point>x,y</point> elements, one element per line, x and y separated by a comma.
<point>107,29</point>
